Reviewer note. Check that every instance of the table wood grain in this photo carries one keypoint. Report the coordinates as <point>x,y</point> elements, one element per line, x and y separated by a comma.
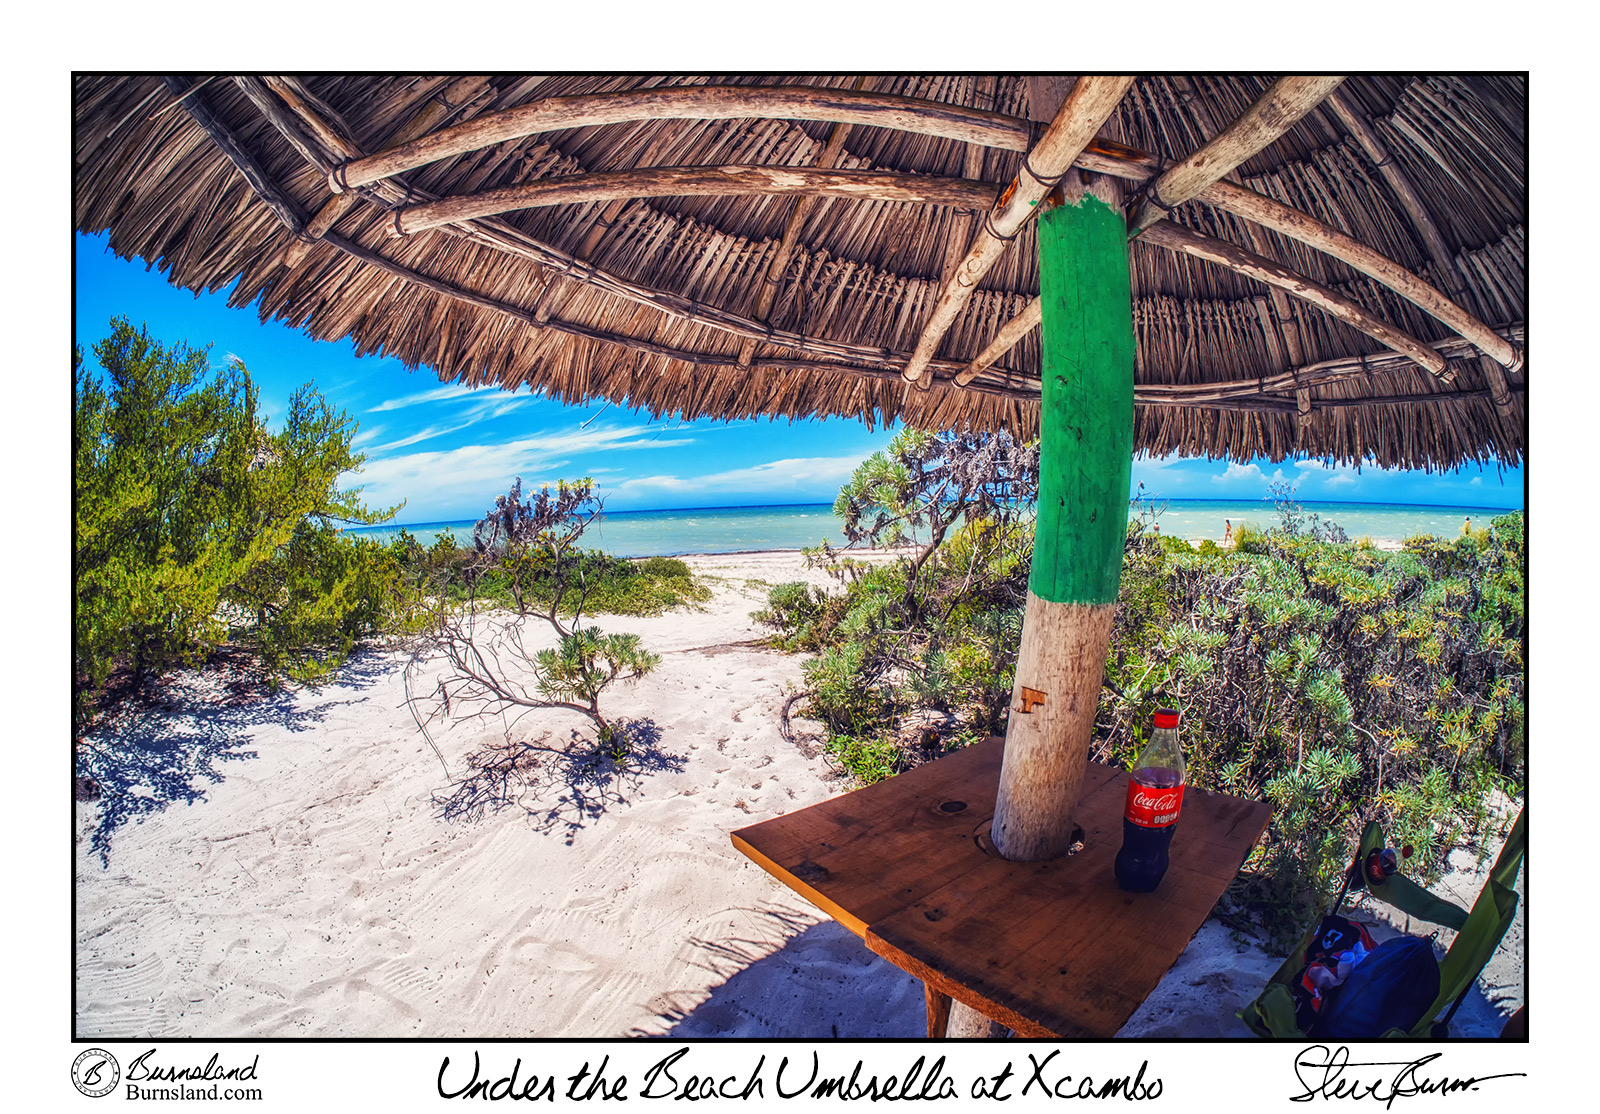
<point>1051,949</point>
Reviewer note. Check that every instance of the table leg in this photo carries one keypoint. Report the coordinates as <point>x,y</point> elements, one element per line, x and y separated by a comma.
<point>938,1012</point>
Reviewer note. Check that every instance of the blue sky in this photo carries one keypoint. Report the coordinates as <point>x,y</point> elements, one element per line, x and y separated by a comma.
<point>446,451</point>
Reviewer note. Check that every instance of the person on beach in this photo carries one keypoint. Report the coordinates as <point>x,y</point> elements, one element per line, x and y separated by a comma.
<point>1466,527</point>
<point>1227,531</point>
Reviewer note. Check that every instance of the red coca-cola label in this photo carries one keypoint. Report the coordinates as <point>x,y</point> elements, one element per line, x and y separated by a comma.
<point>1152,806</point>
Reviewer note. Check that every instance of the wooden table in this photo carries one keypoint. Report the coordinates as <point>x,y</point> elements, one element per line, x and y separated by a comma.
<point>1051,949</point>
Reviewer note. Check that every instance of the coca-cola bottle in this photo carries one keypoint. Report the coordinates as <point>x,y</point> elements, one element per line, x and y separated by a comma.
<point>1155,796</point>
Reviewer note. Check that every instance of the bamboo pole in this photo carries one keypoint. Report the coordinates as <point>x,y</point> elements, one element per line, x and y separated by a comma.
<point>695,181</point>
<point>1175,237</point>
<point>1278,109</point>
<point>704,102</point>
<point>1006,339</point>
<point>1085,458</point>
<point>199,109</point>
<point>1086,108</point>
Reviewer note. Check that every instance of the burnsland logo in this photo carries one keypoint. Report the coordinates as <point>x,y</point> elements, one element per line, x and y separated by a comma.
<point>95,1072</point>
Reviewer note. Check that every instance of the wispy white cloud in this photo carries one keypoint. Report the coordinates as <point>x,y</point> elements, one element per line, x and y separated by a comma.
<point>440,482</point>
<point>443,393</point>
<point>792,474</point>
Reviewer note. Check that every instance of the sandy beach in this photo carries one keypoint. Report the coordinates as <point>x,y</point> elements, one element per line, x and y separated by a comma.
<point>310,887</point>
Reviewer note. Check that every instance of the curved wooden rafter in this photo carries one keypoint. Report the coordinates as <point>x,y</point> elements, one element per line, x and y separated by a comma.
<point>701,102</point>
<point>1274,112</point>
<point>1085,109</point>
<point>697,181</point>
<point>1175,237</point>
<point>1285,105</point>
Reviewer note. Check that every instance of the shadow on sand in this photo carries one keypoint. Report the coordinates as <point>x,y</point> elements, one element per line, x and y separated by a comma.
<point>165,745</point>
<point>809,988</point>
<point>585,776</point>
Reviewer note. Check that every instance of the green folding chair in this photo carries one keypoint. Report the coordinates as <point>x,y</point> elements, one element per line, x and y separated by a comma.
<point>1478,932</point>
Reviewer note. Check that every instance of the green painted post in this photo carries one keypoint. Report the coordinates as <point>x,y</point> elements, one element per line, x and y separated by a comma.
<point>1086,458</point>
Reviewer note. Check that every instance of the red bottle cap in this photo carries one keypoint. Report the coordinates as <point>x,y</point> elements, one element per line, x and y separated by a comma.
<point>1166,717</point>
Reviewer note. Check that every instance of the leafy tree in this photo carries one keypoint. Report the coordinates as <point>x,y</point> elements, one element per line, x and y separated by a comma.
<point>527,547</point>
<point>932,481</point>
<point>187,509</point>
<point>924,646</point>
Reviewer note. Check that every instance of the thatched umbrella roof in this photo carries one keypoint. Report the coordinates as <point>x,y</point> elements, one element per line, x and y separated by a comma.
<point>735,246</point>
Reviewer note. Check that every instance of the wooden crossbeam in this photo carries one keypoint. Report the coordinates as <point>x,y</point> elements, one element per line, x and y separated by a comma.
<point>703,102</point>
<point>437,107</point>
<point>1422,220</point>
<point>1085,109</point>
<point>1277,110</point>
<point>1004,341</point>
<point>283,206</point>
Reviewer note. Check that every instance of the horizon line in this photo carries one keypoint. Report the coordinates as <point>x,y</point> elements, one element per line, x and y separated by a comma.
<point>1156,499</point>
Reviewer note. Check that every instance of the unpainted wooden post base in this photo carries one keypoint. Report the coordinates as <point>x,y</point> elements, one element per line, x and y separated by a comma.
<point>1060,666</point>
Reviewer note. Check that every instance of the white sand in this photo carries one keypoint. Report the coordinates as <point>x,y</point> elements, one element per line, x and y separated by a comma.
<point>314,891</point>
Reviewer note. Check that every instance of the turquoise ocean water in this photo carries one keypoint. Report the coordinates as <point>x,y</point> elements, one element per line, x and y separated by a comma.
<point>745,529</point>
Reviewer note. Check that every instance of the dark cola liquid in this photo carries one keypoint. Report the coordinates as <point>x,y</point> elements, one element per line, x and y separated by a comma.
<point>1142,861</point>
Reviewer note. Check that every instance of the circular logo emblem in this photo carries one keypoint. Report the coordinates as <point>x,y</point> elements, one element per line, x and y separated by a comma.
<point>95,1072</point>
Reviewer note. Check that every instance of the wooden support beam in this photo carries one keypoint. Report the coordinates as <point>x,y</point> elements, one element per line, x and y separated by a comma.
<point>704,102</point>
<point>1175,237</point>
<point>437,108</point>
<point>1279,108</point>
<point>1296,225</point>
<point>1086,108</point>
<point>938,1011</point>
<point>1269,213</point>
<point>1085,458</point>
<point>696,181</point>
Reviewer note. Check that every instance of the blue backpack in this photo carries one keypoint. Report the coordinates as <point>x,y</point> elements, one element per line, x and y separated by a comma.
<point>1390,989</point>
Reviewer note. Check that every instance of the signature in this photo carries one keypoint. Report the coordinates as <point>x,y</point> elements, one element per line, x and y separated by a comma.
<point>1323,1073</point>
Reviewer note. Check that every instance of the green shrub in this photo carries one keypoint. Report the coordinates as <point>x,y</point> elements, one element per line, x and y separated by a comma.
<point>1340,681</point>
<point>593,581</point>
<point>669,568</point>
<point>868,759</point>
<point>189,512</point>
<point>1249,538</point>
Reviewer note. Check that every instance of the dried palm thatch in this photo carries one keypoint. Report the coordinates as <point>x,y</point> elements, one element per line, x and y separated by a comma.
<point>732,246</point>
